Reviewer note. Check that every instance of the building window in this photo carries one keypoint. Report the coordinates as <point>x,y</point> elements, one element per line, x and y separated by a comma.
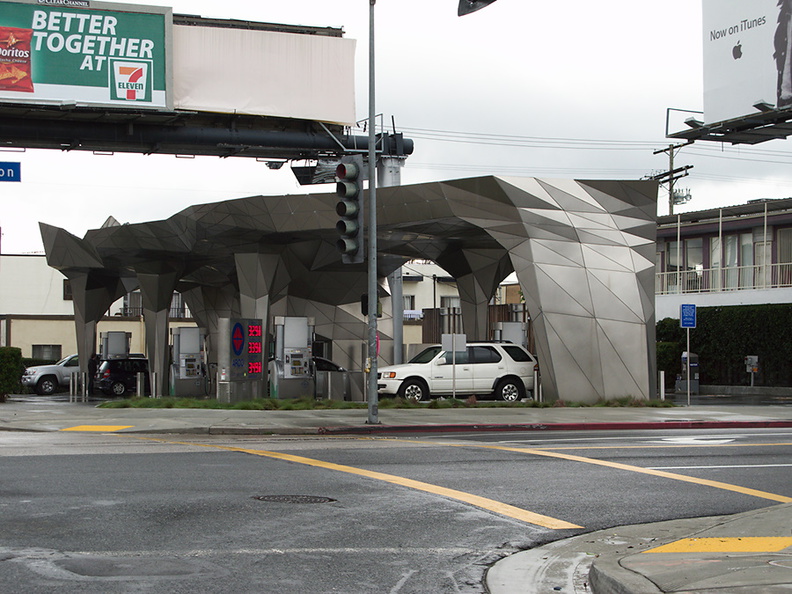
<point>67,290</point>
<point>450,301</point>
<point>785,257</point>
<point>409,302</point>
<point>694,264</point>
<point>47,352</point>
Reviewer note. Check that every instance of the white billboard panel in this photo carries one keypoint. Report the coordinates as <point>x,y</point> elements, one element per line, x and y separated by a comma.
<point>264,73</point>
<point>746,48</point>
<point>85,52</point>
<point>88,53</point>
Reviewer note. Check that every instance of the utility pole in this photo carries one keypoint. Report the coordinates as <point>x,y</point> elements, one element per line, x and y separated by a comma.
<point>672,174</point>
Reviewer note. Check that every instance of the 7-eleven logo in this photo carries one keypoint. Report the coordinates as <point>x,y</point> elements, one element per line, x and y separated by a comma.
<point>130,81</point>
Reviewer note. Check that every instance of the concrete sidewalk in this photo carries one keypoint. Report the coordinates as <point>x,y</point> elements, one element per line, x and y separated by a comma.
<point>746,553</point>
<point>40,413</point>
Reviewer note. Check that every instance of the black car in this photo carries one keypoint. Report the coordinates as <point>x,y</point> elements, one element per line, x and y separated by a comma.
<point>116,377</point>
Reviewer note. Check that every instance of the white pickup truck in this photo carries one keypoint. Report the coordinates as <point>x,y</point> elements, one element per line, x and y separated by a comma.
<point>46,379</point>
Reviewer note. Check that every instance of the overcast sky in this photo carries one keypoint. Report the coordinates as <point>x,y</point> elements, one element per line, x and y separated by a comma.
<point>570,89</point>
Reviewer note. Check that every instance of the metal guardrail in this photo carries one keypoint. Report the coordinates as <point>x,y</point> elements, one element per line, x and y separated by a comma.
<point>732,278</point>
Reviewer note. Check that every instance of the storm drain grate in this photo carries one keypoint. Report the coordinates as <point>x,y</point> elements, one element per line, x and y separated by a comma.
<point>294,499</point>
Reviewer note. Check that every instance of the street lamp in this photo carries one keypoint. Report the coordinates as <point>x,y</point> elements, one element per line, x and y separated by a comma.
<point>465,7</point>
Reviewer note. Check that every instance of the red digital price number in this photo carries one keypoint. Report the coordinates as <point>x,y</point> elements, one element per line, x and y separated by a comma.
<point>254,330</point>
<point>254,348</point>
<point>255,367</point>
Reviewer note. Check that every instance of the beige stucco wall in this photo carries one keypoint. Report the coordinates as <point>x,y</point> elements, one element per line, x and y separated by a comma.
<point>28,286</point>
<point>24,332</point>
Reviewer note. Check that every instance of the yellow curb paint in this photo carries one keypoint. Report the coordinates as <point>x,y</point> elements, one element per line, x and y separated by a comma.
<point>497,507</point>
<point>745,544</point>
<point>98,428</point>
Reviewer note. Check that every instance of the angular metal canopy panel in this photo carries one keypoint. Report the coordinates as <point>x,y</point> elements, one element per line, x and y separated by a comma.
<point>583,252</point>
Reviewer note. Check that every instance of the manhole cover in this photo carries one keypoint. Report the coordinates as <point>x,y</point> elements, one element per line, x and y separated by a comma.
<point>294,499</point>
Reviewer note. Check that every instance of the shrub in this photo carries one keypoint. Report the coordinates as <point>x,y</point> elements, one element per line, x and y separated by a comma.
<point>11,370</point>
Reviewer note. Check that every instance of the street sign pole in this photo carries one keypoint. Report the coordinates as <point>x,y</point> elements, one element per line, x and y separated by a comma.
<point>687,320</point>
<point>688,366</point>
<point>371,360</point>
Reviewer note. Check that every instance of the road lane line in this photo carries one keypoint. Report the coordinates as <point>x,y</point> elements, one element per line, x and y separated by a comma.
<point>620,466</point>
<point>497,507</point>
<point>641,470</point>
<point>719,467</point>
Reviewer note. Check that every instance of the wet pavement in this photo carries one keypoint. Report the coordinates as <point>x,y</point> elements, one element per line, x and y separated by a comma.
<point>744,553</point>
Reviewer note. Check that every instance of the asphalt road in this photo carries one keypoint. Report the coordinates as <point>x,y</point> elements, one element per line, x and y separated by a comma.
<point>104,513</point>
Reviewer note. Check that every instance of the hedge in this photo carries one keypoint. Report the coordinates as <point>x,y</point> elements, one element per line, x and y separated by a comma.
<point>11,370</point>
<point>724,336</point>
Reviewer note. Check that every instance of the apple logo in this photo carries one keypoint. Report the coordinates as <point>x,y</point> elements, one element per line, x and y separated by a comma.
<point>737,51</point>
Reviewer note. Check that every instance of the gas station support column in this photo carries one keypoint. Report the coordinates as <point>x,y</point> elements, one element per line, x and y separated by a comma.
<point>157,284</point>
<point>389,174</point>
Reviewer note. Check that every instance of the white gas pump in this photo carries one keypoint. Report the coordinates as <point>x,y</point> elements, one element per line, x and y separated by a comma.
<point>114,344</point>
<point>515,332</point>
<point>188,375</point>
<point>292,370</point>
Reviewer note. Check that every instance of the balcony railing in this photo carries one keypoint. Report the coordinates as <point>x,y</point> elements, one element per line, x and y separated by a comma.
<point>173,312</point>
<point>733,278</point>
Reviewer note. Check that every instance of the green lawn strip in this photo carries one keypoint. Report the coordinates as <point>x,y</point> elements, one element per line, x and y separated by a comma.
<point>384,403</point>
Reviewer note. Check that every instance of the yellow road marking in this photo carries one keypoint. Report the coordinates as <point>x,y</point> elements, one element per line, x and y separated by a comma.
<point>100,428</point>
<point>746,544</point>
<point>659,473</point>
<point>628,467</point>
<point>497,507</point>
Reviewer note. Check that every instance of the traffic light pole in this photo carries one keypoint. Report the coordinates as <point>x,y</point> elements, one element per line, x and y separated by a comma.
<point>372,396</point>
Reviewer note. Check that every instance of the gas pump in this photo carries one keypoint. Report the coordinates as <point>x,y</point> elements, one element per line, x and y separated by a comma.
<point>240,368</point>
<point>292,371</point>
<point>114,344</point>
<point>188,372</point>
<point>515,332</point>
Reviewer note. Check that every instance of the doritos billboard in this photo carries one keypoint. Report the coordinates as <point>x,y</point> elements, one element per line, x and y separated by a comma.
<point>85,52</point>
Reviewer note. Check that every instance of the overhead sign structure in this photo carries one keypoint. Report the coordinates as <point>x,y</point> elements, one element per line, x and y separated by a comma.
<point>85,52</point>
<point>10,172</point>
<point>747,59</point>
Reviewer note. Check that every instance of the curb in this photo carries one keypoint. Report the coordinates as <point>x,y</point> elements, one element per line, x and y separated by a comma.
<point>591,426</point>
<point>607,576</point>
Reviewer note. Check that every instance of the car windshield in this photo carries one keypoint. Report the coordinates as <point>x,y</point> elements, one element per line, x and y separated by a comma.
<point>63,361</point>
<point>426,355</point>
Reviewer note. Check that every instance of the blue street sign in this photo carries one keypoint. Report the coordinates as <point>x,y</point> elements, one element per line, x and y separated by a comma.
<point>10,172</point>
<point>687,315</point>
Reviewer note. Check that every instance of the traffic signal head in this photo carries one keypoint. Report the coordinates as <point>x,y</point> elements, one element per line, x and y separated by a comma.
<point>349,190</point>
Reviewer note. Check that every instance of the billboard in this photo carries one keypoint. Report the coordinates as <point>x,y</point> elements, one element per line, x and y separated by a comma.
<point>747,57</point>
<point>267,73</point>
<point>85,52</point>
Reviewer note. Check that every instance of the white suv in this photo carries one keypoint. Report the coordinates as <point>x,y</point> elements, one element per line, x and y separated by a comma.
<point>503,369</point>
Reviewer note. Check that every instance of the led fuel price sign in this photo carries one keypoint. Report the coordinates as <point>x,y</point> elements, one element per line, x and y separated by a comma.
<point>246,350</point>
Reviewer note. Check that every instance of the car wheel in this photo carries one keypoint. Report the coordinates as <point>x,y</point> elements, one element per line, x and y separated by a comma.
<point>46,385</point>
<point>510,389</point>
<point>414,389</point>
<point>118,389</point>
